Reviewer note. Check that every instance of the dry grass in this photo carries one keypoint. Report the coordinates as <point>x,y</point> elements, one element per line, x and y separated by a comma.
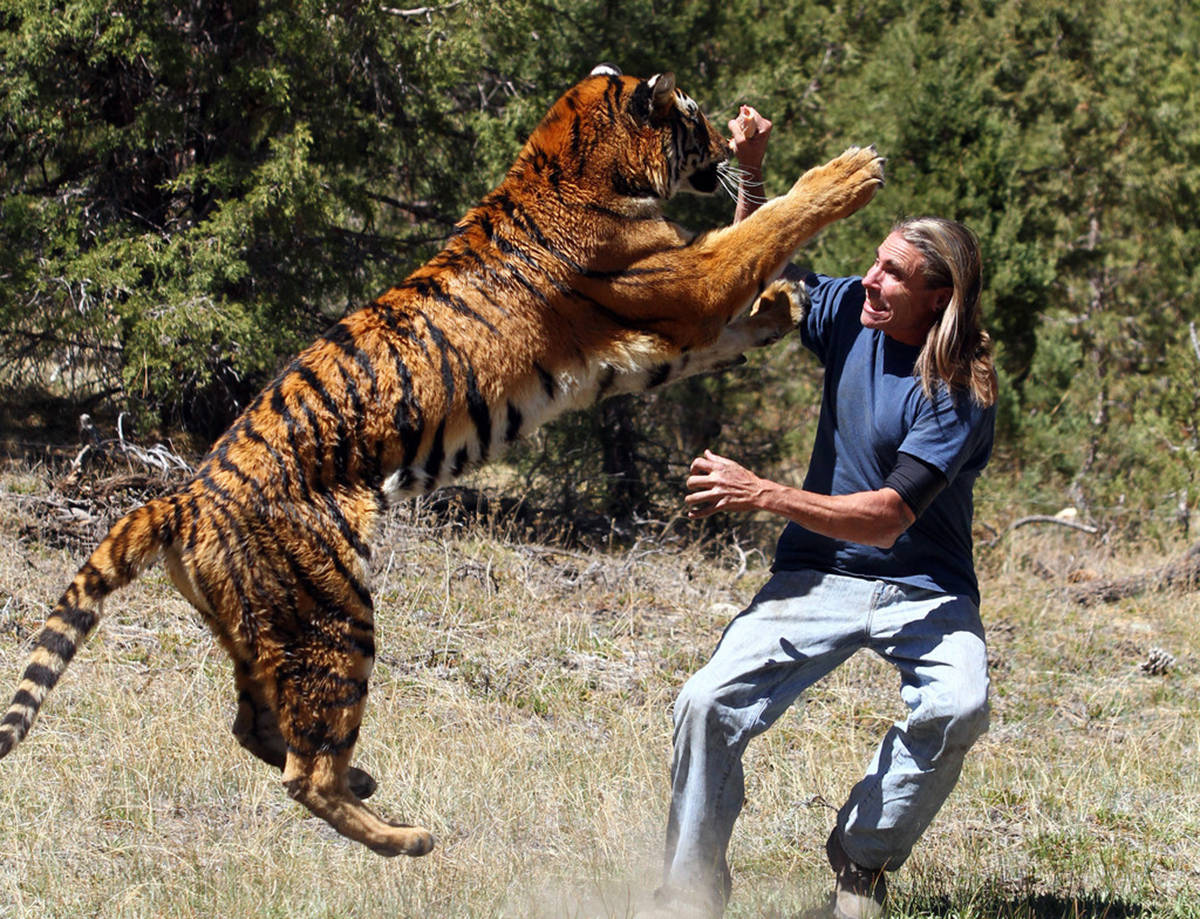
<point>521,709</point>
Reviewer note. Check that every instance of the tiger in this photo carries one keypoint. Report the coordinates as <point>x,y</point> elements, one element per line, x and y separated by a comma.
<point>563,285</point>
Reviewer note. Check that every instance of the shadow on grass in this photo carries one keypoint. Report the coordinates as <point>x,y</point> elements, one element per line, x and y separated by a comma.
<point>1031,906</point>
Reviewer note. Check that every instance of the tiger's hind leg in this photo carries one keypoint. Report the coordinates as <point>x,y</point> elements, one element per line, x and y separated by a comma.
<point>255,725</point>
<point>320,688</point>
<point>256,728</point>
<point>319,783</point>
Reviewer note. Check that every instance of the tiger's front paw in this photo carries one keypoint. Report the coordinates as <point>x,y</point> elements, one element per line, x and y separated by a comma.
<point>780,309</point>
<point>860,164</point>
<point>846,182</point>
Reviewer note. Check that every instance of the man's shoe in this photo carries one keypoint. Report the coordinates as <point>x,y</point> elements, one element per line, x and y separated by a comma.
<point>858,892</point>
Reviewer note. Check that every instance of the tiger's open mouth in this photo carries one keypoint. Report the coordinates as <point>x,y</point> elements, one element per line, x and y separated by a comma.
<point>704,180</point>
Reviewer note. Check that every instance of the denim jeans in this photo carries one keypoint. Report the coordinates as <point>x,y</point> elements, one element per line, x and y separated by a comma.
<point>799,627</point>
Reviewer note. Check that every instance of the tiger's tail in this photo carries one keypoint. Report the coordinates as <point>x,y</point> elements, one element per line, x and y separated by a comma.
<point>134,543</point>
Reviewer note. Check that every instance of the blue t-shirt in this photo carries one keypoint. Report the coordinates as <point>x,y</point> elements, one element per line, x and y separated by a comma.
<point>872,409</point>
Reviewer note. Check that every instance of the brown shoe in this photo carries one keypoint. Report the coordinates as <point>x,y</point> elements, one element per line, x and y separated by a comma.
<point>858,892</point>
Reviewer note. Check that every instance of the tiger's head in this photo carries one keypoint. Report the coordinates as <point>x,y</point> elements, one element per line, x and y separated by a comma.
<point>639,139</point>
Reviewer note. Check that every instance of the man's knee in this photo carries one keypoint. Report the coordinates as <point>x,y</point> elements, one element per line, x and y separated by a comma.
<point>970,721</point>
<point>950,725</point>
<point>709,706</point>
<point>696,700</point>
<point>965,721</point>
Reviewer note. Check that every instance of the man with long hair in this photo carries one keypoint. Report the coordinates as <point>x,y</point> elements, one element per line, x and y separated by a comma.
<point>876,553</point>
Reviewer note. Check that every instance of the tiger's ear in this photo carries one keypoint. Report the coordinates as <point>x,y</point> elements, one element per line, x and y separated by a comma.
<point>652,99</point>
<point>662,92</point>
<point>605,70</point>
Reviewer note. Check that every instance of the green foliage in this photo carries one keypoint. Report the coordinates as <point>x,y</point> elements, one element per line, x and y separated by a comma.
<point>191,192</point>
<point>1065,135</point>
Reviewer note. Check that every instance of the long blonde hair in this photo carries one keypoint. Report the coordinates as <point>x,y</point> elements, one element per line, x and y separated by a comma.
<point>958,350</point>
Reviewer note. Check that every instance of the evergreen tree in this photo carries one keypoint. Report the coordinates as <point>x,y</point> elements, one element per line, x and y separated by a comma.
<point>191,191</point>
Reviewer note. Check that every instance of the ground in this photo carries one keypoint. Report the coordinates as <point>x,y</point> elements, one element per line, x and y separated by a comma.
<point>520,708</point>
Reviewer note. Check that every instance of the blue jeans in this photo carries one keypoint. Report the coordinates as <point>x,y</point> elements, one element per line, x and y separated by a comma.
<point>799,627</point>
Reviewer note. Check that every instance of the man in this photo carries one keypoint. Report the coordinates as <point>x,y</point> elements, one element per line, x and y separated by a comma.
<point>876,554</point>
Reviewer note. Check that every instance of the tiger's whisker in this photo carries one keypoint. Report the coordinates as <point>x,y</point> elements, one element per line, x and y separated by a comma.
<point>733,180</point>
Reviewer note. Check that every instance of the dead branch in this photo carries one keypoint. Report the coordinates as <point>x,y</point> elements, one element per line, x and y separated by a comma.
<point>997,535</point>
<point>1059,521</point>
<point>157,458</point>
<point>419,11</point>
<point>1183,573</point>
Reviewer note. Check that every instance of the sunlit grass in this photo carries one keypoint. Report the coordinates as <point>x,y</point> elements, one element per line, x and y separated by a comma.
<point>521,709</point>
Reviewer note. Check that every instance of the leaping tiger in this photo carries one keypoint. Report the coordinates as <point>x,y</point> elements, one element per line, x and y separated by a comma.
<point>565,284</point>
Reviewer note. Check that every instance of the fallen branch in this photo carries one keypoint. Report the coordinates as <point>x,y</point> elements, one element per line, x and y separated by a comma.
<point>1183,573</point>
<point>419,11</point>
<point>1059,521</point>
<point>1036,518</point>
<point>158,457</point>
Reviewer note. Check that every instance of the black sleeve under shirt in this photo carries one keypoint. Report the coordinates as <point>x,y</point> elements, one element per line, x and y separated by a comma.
<point>916,481</point>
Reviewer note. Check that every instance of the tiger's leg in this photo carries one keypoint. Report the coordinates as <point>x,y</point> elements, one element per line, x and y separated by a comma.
<point>319,783</point>
<point>319,675</point>
<point>779,310</point>
<point>320,721</point>
<point>257,729</point>
<point>729,268</point>
<point>255,726</point>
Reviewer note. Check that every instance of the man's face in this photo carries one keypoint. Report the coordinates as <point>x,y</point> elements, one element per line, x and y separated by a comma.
<point>898,303</point>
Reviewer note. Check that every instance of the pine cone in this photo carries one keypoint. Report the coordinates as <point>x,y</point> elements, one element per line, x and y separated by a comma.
<point>1158,662</point>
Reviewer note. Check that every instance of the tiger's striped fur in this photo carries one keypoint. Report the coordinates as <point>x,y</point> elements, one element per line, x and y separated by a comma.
<point>563,285</point>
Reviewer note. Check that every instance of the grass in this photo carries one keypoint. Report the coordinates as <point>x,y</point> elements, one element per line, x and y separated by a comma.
<point>521,709</point>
